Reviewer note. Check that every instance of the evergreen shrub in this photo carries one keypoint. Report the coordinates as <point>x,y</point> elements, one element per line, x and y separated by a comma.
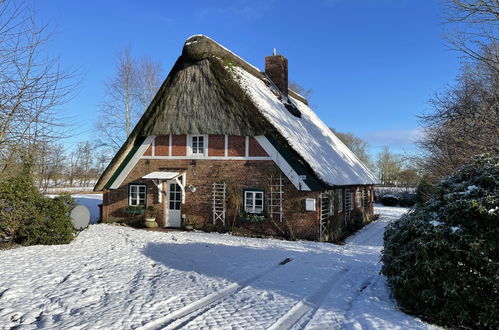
<point>389,200</point>
<point>31,218</point>
<point>442,258</point>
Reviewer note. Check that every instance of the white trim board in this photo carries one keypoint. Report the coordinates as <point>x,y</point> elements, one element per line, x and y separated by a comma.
<point>290,173</point>
<point>207,157</point>
<point>131,164</point>
<point>266,145</point>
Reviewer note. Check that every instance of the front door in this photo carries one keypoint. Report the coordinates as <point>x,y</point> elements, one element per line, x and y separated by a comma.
<point>172,205</point>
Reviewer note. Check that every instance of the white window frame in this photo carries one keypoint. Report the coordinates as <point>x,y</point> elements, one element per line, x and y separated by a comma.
<point>252,195</point>
<point>331,202</point>
<point>137,187</point>
<point>360,196</point>
<point>339,192</point>
<point>191,143</point>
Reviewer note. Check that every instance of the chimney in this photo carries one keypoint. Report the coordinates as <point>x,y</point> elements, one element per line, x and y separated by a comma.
<point>276,67</point>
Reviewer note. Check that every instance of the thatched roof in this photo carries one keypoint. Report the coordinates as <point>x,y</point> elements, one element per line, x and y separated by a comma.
<point>202,95</point>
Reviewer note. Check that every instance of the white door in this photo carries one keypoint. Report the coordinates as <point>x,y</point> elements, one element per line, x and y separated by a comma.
<point>172,205</point>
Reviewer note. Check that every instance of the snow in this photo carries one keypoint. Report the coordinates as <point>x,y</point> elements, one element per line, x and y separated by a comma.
<point>469,189</point>
<point>189,41</point>
<point>114,277</point>
<point>454,229</point>
<point>435,223</point>
<point>330,159</point>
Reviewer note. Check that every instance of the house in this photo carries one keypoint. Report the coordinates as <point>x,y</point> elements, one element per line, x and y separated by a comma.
<point>223,144</point>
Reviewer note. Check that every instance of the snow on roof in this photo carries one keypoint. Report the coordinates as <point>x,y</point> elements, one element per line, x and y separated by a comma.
<point>330,159</point>
<point>161,175</point>
<point>189,41</point>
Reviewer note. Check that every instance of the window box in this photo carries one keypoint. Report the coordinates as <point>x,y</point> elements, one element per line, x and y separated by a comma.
<point>134,210</point>
<point>251,217</point>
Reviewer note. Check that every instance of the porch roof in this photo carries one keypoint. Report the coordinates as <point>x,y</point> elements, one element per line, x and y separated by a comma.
<point>161,175</point>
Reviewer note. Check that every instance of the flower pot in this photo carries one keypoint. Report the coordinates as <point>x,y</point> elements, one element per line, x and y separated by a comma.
<point>150,223</point>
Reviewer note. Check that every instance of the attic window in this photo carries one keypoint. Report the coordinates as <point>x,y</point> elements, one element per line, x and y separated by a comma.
<point>293,109</point>
<point>198,145</point>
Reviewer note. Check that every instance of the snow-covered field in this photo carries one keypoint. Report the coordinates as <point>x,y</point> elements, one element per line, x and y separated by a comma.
<point>114,277</point>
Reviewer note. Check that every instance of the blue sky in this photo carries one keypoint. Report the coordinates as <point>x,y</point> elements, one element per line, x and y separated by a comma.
<point>372,64</point>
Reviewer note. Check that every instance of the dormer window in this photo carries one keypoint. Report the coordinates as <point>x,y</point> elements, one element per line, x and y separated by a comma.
<point>198,145</point>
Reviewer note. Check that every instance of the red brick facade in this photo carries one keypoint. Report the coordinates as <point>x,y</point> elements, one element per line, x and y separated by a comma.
<point>255,149</point>
<point>179,143</point>
<point>238,176</point>
<point>161,145</point>
<point>216,145</point>
<point>236,146</point>
<point>201,174</point>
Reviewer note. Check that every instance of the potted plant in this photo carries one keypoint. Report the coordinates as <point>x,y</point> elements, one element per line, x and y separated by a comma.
<point>188,225</point>
<point>150,217</point>
<point>134,210</point>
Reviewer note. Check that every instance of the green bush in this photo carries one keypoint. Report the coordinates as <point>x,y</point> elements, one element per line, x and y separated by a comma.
<point>389,200</point>
<point>441,259</point>
<point>31,218</point>
<point>423,190</point>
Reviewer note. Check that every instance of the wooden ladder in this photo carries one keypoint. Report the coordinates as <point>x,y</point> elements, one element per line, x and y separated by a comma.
<point>219,194</point>
<point>324,215</point>
<point>276,198</point>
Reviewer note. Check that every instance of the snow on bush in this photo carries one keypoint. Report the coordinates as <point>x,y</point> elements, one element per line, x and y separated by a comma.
<point>30,218</point>
<point>441,259</point>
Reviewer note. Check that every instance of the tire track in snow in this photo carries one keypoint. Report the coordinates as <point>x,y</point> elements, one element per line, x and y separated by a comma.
<point>308,304</point>
<point>202,305</point>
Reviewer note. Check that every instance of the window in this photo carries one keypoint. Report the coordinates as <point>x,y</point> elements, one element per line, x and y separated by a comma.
<point>253,201</point>
<point>359,198</point>
<point>339,193</point>
<point>137,194</point>
<point>198,145</point>
<point>351,200</point>
<point>331,202</point>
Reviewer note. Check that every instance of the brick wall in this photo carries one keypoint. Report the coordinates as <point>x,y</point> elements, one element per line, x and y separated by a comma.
<point>161,145</point>
<point>236,146</point>
<point>238,174</point>
<point>179,145</point>
<point>216,145</point>
<point>255,149</point>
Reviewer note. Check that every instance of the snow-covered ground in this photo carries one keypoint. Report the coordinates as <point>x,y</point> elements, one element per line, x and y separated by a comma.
<point>114,277</point>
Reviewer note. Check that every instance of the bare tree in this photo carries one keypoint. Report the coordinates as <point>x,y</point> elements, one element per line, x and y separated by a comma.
<point>388,166</point>
<point>128,95</point>
<point>474,26</point>
<point>358,146</point>
<point>32,85</point>
<point>305,92</point>
<point>464,121</point>
<point>149,77</point>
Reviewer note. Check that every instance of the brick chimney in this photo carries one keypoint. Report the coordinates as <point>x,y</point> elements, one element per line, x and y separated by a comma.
<point>276,67</point>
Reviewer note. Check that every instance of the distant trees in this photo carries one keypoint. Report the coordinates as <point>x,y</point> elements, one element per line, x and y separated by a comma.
<point>358,146</point>
<point>396,169</point>
<point>305,92</point>
<point>127,95</point>
<point>465,117</point>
